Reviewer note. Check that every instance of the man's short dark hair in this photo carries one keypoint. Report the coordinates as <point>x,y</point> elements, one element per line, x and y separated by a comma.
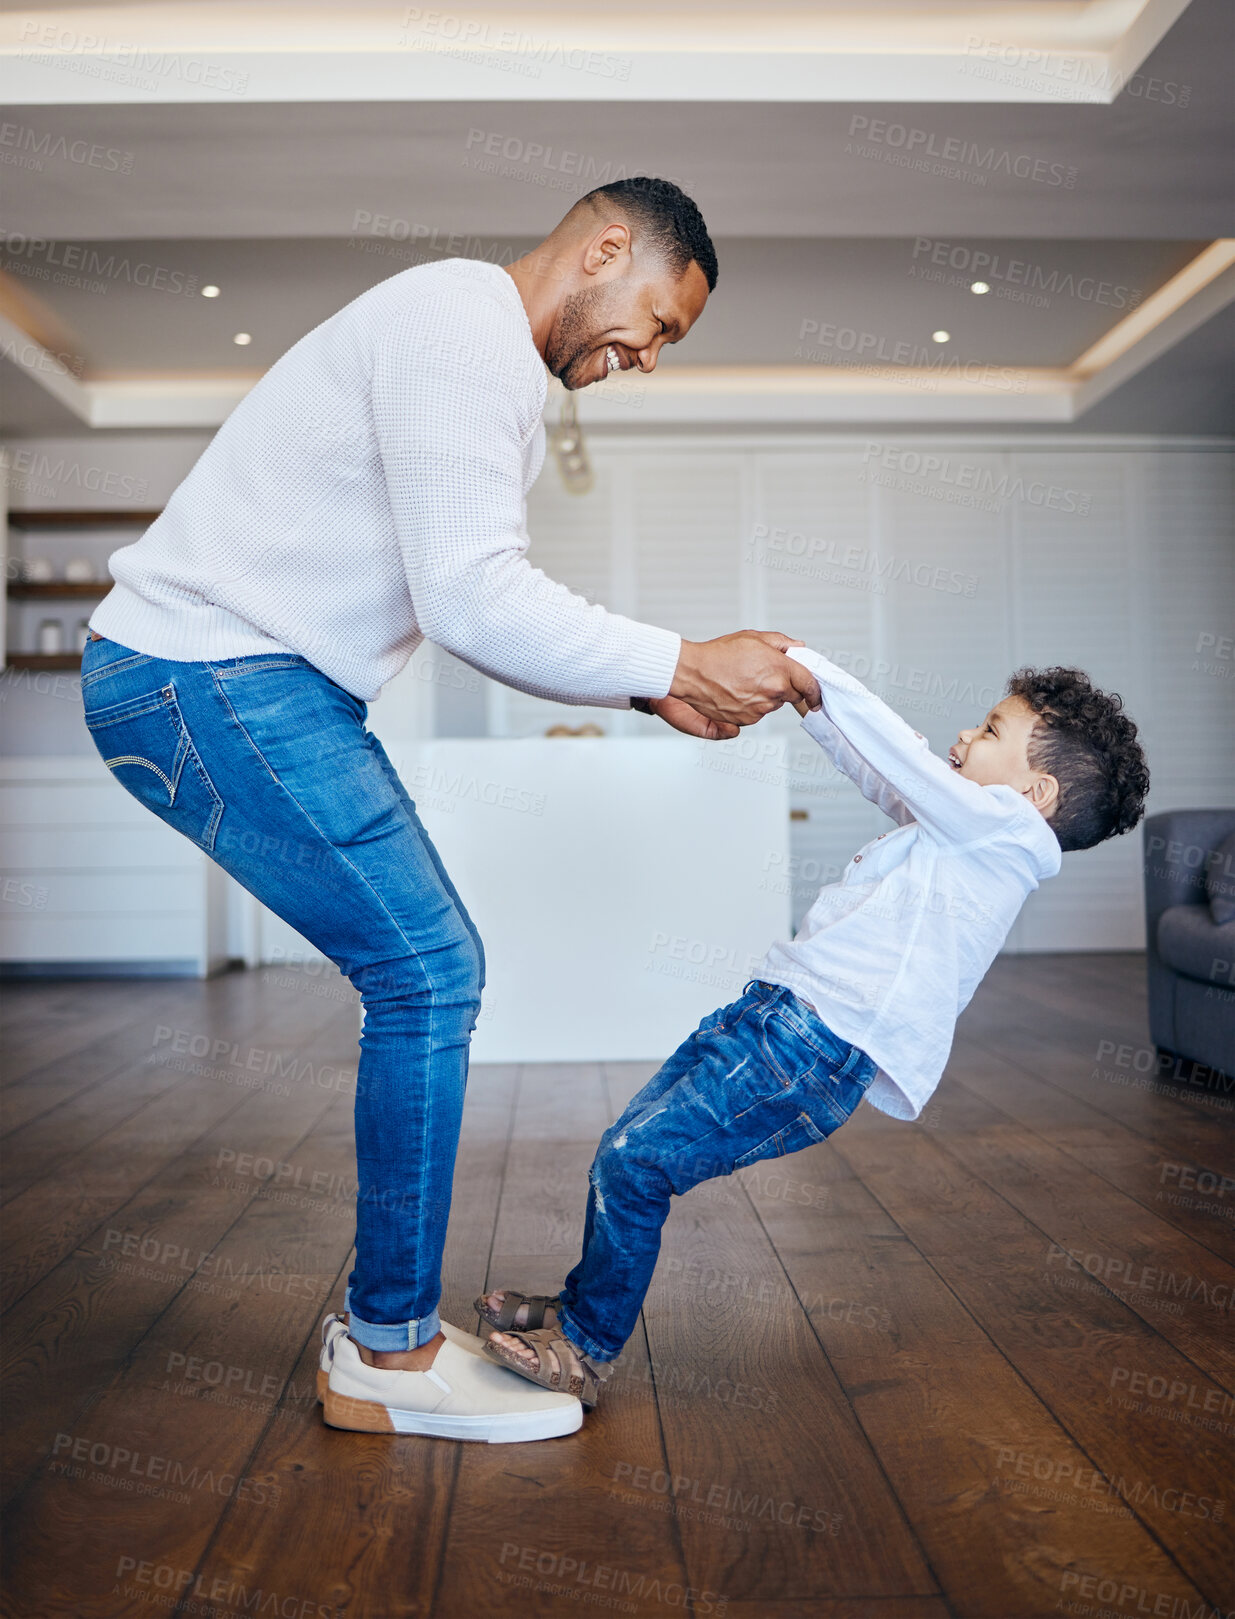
<point>665,219</point>
<point>1084,739</point>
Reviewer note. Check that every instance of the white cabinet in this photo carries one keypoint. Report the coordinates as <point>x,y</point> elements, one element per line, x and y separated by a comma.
<point>91,878</point>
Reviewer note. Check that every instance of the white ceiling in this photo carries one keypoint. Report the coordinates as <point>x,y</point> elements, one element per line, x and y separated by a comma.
<point>819,210</point>
<point>678,50</point>
<point>1139,169</point>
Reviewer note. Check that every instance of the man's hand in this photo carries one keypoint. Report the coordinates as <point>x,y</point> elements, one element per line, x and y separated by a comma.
<point>737,679</point>
<point>683,717</point>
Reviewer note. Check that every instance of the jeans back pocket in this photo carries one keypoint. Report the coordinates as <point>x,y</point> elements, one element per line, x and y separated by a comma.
<point>145,744</point>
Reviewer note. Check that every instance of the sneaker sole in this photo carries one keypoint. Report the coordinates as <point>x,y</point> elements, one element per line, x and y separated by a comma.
<point>369,1416</point>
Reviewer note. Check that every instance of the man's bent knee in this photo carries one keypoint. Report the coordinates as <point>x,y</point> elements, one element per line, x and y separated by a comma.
<point>450,974</point>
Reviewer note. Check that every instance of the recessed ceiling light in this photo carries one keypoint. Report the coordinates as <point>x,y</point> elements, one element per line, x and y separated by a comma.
<point>210,292</point>
<point>979,287</point>
<point>941,337</point>
<point>242,338</point>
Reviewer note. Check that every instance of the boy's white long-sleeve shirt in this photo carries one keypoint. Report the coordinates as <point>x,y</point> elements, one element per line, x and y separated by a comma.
<point>370,491</point>
<point>891,954</point>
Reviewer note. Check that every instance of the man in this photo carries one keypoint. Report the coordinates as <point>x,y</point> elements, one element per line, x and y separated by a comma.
<point>368,492</point>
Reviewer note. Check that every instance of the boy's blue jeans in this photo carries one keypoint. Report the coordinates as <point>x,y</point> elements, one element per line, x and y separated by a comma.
<point>757,1079</point>
<point>265,764</point>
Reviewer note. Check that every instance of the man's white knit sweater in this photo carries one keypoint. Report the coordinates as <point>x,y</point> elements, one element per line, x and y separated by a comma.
<point>371,491</point>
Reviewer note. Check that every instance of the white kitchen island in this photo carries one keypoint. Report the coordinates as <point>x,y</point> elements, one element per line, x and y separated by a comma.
<point>623,887</point>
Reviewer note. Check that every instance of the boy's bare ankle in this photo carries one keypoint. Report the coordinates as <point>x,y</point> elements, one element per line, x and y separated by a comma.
<point>401,1360</point>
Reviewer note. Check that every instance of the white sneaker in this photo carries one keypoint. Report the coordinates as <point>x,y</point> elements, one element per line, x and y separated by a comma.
<point>334,1327</point>
<point>463,1395</point>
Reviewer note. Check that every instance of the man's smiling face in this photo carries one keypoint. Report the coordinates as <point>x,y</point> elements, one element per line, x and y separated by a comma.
<point>620,319</point>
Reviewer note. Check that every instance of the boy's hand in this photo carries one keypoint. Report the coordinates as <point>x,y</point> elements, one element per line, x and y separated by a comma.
<point>737,679</point>
<point>803,707</point>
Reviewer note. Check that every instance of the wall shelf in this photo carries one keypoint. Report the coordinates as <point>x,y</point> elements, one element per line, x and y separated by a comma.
<point>18,591</point>
<point>58,589</point>
<point>44,660</point>
<point>81,519</point>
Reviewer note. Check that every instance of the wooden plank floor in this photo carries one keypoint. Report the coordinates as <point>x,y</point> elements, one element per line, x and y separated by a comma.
<point>979,1366</point>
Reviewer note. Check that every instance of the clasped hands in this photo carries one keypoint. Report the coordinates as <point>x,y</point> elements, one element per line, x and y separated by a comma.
<point>735,680</point>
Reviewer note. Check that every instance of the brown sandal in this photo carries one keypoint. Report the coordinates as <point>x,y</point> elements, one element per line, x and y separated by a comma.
<point>538,1306</point>
<point>585,1387</point>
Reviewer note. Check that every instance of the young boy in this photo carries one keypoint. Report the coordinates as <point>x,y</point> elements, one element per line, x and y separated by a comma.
<point>863,1001</point>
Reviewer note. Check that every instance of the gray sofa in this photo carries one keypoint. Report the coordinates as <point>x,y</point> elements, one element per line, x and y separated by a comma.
<point>1191,956</point>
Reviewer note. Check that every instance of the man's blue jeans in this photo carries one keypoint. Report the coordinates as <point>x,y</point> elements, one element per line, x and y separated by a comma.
<point>265,764</point>
<point>757,1079</point>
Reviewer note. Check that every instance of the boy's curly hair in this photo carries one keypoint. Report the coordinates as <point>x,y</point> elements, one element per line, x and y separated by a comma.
<point>1085,740</point>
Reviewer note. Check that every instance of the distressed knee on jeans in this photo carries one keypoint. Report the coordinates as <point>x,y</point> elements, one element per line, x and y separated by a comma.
<point>621,1161</point>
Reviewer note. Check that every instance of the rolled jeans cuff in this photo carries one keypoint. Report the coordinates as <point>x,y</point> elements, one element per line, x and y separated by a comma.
<point>391,1337</point>
<point>568,1328</point>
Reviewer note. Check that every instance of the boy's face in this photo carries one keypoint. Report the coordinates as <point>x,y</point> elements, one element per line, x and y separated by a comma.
<point>996,753</point>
